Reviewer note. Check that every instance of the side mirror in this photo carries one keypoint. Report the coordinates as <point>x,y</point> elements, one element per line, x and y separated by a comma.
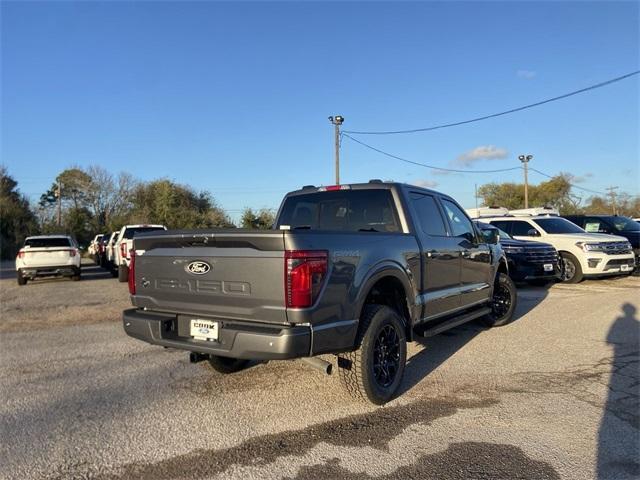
<point>533,233</point>
<point>491,236</point>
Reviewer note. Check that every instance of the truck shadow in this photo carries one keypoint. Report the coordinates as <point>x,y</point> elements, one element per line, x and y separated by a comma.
<point>438,349</point>
<point>619,433</point>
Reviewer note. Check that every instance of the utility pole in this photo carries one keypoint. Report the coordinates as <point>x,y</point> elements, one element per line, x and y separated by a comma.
<point>59,197</point>
<point>476,195</point>
<point>612,194</point>
<point>337,121</point>
<point>525,161</point>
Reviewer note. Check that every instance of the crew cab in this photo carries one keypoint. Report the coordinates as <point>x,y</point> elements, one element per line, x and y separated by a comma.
<point>532,262</point>
<point>614,225</point>
<point>123,244</point>
<point>48,256</point>
<point>582,254</point>
<point>352,270</point>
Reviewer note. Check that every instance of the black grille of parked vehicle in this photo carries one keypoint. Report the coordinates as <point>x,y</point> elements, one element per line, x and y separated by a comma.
<point>541,254</point>
<point>618,262</point>
<point>617,248</point>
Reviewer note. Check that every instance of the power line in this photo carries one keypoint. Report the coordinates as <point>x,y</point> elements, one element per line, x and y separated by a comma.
<point>571,184</point>
<point>424,164</point>
<point>493,115</point>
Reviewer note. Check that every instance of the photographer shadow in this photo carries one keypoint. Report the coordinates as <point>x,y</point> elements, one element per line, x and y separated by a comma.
<point>619,434</point>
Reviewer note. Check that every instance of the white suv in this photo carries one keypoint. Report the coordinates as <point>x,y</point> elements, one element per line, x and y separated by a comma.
<point>583,254</point>
<point>124,243</point>
<point>48,256</point>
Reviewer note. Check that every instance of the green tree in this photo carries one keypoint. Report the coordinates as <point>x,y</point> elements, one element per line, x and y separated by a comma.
<point>261,220</point>
<point>17,221</point>
<point>555,192</point>
<point>176,206</point>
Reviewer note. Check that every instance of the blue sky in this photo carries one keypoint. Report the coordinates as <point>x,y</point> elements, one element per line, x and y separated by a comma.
<point>234,97</point>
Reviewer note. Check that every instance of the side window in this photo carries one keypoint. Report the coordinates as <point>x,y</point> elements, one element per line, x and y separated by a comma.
<point>429,217</point>
<point>460,225</point>
<point>502,225</point>
<point>595,225</point>
<point>521,229</point>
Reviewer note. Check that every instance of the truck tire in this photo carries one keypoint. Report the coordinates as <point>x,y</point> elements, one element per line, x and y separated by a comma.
<point>77,276</point>
<point>226,364</point>
<point>374,371</point>
<point>123,273</point>
<point>571,269</point>
<point>21,280</point>
<point>503,302</point>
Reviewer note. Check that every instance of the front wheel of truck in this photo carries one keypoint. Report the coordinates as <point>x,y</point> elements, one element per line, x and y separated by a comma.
<point>374,371</point>
<point>226,364</point>
<point>503,303</point>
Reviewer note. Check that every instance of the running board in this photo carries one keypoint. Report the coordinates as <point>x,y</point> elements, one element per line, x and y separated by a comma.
<point>453,322</point>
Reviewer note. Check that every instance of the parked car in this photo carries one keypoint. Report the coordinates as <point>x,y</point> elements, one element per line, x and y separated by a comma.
<point>367,267</point>
<point>48,256</point>
<point>93,249</point>
<point>614,225</point>
<point>582,254</point>
<point>109,254</point>
<point>533,262</point>
<point>123,245</point>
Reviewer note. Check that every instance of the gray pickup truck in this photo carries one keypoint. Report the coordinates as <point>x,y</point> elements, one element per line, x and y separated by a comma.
<point>351,270</point>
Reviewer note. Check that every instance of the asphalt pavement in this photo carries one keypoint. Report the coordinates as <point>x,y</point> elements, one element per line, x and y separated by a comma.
<point>553,395</point>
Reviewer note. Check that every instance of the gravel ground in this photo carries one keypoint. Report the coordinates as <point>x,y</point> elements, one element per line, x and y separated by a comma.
<point>553,395</point>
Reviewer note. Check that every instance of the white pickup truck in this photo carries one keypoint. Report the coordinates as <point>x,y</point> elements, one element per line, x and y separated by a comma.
<point>48,256</point>
<point>123,244</point>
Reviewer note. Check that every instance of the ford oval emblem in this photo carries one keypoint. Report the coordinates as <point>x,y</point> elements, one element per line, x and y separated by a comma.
<point>198,267</point>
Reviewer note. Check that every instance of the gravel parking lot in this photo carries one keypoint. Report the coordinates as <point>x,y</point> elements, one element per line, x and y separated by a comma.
<point>553,395</point>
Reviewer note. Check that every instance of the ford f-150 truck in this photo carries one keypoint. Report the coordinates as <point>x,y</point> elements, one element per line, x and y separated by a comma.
<point>352,270</point>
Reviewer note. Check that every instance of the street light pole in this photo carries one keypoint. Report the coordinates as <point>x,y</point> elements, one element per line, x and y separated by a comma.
<point>525,161</point>
<point>337,121</point>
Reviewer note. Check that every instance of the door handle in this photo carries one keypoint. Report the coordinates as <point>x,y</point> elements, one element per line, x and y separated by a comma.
<point>465,254</point>
<point>433,254</point>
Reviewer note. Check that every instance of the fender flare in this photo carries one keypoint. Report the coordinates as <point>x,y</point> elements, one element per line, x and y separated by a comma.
<point>387,269</point>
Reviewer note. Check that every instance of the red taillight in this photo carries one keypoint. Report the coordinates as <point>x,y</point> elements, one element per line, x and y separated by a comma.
<point>333,188</point>
<point>73,252</point>
<point>304,274</point>
<point>132,273</point>
<point>20,254</point>
<point>123,249</point>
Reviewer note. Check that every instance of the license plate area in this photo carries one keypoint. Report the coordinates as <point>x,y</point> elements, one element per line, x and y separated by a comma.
<point>548,267</point>
<point>202,329</point>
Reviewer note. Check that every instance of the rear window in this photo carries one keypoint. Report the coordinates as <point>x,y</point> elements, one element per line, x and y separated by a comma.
<point>346,210</point>
<point>47,242</point>
<point>131,232</point>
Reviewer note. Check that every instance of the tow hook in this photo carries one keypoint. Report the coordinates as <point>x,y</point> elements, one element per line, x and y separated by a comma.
<point>195,357</point>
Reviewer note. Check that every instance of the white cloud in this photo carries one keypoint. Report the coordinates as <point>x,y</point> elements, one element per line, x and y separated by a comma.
<point>483,152</point>
<point>425,183</point>
<point>582,178</point>
<point>526,74</point>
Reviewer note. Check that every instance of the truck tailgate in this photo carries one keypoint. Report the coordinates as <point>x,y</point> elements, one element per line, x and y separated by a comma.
<point>227,274</point>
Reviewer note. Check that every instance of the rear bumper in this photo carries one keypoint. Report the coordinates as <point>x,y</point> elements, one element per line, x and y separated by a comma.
<point>50,271</point>
<point>238,339</point>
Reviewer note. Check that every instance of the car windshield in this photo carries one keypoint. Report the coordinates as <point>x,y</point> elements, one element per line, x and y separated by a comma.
<point>369,210</point>
<point>554,225</point>
<point>47,242</point>
<point>625,224</point>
